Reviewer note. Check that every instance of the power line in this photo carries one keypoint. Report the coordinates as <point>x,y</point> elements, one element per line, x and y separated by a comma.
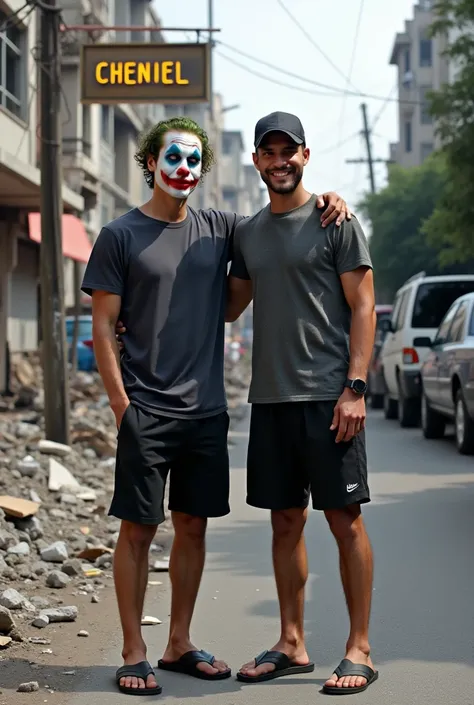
<point>384,106</point>
<point>351,65</point>
<point>313,42</point>
<point>339,144</point>
<point>15,20</point>
<point>304,79</point>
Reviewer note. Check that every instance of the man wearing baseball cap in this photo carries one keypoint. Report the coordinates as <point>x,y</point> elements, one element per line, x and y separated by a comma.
<point>314,325</point>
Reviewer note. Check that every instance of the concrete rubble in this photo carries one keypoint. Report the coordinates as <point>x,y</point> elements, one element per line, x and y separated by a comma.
<point>55,534</point>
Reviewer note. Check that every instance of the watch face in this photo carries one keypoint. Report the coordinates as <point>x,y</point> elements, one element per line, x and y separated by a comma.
<point>359,386</point>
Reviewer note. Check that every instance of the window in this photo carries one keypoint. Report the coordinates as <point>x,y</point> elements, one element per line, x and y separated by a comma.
<point>434,299</point>
<point>86,130</point>
<point>402,312</point>
<point>226,144</point>
<point>456,334</point>
<point>426,50</point>
<point>12,69</point>
<point>425,116</point>
<point>407,60</point>
<point>106,124</point>
<point>426,148</point>
<point>408,138</point>
<point>471,324</point>
<point>442,336</point>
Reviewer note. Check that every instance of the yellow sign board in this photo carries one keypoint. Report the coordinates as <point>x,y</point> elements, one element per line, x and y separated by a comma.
<point>145,73</point>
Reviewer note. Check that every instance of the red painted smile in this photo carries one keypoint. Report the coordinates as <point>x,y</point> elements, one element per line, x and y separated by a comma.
<point>178,184</point>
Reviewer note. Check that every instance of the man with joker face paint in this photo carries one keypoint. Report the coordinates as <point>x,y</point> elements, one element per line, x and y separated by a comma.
<point>162,269</point>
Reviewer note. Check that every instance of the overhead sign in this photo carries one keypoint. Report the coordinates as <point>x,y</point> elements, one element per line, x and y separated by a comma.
<point>145,73</point>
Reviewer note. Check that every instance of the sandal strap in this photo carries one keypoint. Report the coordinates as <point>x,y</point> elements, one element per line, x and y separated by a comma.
<point>347,668</point>
<point>279,659</point>
<point>192,658</point>
<point>138,670</point>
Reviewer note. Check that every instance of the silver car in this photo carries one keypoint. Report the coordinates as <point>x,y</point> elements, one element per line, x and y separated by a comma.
<point>448,376</point>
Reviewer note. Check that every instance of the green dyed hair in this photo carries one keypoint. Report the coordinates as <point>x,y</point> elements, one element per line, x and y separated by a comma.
<point>151,142</point>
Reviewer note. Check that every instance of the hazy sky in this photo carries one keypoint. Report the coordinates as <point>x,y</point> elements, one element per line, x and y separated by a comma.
<point>262,29</point>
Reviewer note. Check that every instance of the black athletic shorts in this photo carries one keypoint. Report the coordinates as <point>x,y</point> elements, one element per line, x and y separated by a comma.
<point>292,454</point>
<point>193,451</point>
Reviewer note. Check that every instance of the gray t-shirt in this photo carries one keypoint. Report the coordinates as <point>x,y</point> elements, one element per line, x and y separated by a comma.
<point>172,280</point>
<point>301,317</point>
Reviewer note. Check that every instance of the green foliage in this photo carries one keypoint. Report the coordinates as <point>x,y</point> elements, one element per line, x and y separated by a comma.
<point>449,229</point>
<point>398,246</point>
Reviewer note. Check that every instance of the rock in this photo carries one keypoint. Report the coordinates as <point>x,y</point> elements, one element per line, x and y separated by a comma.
<point>7,623</point>
<point>57,514</point>
<point>39,640</point>
<point>12,600</point>
<point>57,579</point>
<point>3,566</point>
<point>41,621</point>
<point>31,687</point>
<point>60,477</point>
<point>27,430</point>
<point>72,567</point>
<point>104,561</point>
<point>6,540</point>
<point>55,553</point>
<point>21,549</point>
<point>17,636</point>
<point>5,641</point>
<point>39,568</point>
<point>61,614</point>
<point>68,499</point>
<point>83,633</point>
<point>95,599</point>
<point>162,565</point>
<point>28,467</point>
<point>41,603</point>
<point>87,495</point>
<point>52,448</point>
<point>32,526</point>
<point>34,496</point>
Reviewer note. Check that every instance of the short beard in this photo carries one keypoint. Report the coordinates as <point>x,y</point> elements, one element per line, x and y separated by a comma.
<point>282,190</point>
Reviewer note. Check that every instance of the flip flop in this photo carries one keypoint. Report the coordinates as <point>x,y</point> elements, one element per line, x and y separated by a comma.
<point>347,668</point>
<point>188,663</point>
<point>283,667</point>
<point>139,670</point>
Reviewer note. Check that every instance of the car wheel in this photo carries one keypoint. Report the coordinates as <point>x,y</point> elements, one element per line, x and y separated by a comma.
<point>408,410</point>
<point>390,407</point>
<point>464,426</point>
<point>376,401</point>
<point>432,423</point>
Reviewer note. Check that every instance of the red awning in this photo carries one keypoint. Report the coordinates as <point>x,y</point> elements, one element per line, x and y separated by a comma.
<point>76,244</point>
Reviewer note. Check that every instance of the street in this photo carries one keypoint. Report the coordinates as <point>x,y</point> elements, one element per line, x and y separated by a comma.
<point>421,525</point>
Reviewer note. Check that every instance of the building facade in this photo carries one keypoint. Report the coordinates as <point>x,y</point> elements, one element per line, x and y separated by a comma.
<point>421,68</point>
<point>20,181</point>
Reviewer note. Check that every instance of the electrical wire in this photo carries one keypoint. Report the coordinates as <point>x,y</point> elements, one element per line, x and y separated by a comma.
<point>15,19</point>
<point>313,42</point>
<point>355,44</point>
<point>384,106</point>
<point>336,91</point>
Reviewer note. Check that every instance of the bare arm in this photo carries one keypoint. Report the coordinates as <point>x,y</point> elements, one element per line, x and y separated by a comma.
<point>359,292</point>
<point>239,296</point>
<point>105,312</point>
<point>350,413</point>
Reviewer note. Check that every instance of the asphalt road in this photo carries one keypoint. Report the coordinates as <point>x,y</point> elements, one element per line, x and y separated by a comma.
<point>421,523</point>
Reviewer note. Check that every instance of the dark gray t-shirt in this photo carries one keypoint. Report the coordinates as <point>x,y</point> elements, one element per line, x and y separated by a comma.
<point>172,280</point>
<point>301,317</point>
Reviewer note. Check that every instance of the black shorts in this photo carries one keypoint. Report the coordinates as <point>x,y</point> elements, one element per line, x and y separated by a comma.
<point>293,454</point>
<point>193,451</point>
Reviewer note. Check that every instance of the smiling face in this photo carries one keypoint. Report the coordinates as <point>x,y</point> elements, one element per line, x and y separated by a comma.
<point>280,162</point>
<point>179,165</point>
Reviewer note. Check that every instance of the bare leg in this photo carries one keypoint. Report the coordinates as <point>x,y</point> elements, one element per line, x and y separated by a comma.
<point>356,564</point>
<point>291,573</point>
<point>131,577</point>
<point>186,568</point>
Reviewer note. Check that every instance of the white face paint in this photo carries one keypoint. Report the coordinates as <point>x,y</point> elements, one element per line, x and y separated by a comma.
<point>179,165</point>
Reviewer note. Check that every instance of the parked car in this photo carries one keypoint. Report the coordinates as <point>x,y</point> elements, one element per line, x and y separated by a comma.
<point>376,387</point>
<point>419,307</point>
<point>85,348</point>
<point>447,376</point>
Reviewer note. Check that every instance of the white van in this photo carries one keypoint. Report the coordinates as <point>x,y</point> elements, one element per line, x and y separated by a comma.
<point>419,307</point>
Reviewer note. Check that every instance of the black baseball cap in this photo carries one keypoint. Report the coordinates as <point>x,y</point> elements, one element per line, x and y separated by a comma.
<point>279,122</point>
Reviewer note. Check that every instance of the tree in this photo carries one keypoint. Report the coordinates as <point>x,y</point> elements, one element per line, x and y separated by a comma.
<point>449,229</point>
<point>398,246</point>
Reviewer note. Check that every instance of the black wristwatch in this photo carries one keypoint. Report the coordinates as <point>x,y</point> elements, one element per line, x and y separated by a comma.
<point>358,386</point>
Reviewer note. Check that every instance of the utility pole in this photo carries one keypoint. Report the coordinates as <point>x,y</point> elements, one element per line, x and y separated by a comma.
<point>369,160</point>
<point>369,146</point>
<point>56,387</point>
<point>210,24</point>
